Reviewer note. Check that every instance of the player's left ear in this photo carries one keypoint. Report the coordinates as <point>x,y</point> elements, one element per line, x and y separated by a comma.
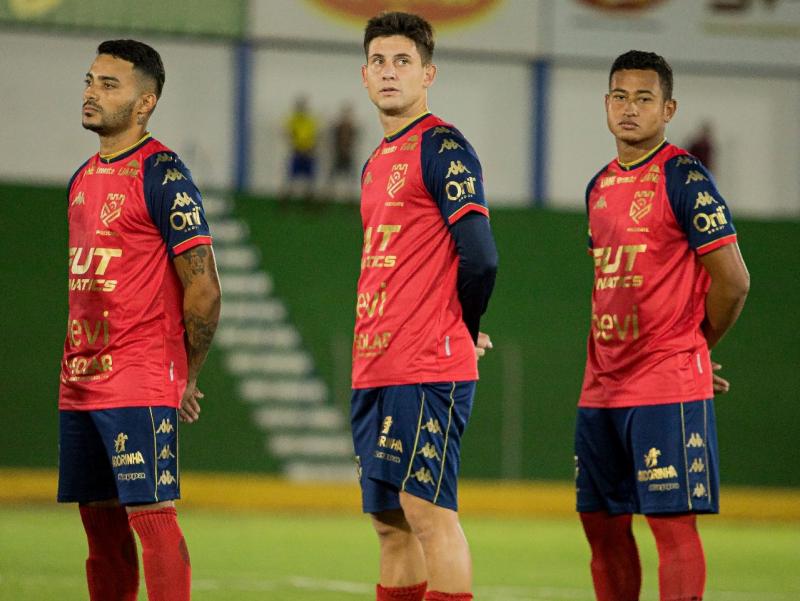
<point>147,104</point>
<point>429,75</point>
<point>670,107</point>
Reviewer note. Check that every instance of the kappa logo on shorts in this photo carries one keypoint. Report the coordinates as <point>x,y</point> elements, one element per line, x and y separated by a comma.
<point>699,491</point>
<point>429,452</point>
<point>697,466</point>
<point>165,427</point>
<point>432,426</point>
<point>695,441</point>
<point>423,476</point>
<point>166,478</point>
<point>166,453</point>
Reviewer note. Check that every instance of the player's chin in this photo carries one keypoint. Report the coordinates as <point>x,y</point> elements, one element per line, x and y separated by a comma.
<point>92,125</point>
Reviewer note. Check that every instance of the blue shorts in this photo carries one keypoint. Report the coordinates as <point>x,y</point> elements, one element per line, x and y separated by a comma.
<point>650,459</point>
<point>302,166</point>
<point>408,438</point>
<point>130,454</point>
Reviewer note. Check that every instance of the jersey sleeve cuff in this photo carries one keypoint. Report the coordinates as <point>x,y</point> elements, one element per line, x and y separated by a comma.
<point>715,244</point>
<point>468,208</point>
<point>182,247</point>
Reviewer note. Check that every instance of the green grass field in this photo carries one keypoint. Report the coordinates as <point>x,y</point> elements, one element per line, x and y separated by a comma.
<point>296,557</point>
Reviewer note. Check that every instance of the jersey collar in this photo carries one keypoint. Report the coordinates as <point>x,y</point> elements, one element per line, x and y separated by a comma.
<point>121,154</point>
<point>642,160</point>
<point>405,129</point>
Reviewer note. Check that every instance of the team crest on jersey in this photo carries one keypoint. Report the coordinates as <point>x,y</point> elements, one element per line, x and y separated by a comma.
<point>642,205</point>
<point>79,199</point>
<point>397,178</point>
<point>112,208</point>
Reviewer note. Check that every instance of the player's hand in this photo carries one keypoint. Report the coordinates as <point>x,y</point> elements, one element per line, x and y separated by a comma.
<point>189,411</point>
<point>484,343</point>
<point>721,385</point>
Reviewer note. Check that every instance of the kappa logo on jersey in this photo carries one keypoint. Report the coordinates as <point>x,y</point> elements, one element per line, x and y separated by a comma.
<point>456,168</point>
<point>397,178</point>
<point>387,424</point>
<point>182,199</point>
<point>695,176</point>
<point>423,476</point>
<point>119,442</point>
<point>703,200</point>
<point>601,203</point>
<point>699,491</point>
<point>432,426</point>
<point>651,458</point>
<point>180,220</point>
<point>441,130</point>
<point>429,452</point>
<point>685,159</point>
<point>695,441</point>
<point>166,478</point>
<point>165,427</point>
<point>450,144</point>
<point>642,205</point>
<point>172,175</point>
<point>163,157</point>
<point>697,466</point>
<point>166,453</point>
<point>112,208</point>
<point>79,199</point>
<point>368,178</point>
<point>90,169</point>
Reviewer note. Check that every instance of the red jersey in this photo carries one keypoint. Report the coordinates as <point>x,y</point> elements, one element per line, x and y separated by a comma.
<point>129,214</point>
<point>648,223</point>
<point>409,326</point>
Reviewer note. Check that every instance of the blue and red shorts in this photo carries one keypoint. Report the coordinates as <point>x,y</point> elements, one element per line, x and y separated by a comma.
<point>650,459</point>
<point>408,439</point>
<point>130,454</point>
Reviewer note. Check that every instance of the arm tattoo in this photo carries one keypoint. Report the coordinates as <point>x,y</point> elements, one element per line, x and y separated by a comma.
<point>199,333</point>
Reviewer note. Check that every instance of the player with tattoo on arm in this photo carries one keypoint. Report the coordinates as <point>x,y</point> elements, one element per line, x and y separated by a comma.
<point>144,302</point>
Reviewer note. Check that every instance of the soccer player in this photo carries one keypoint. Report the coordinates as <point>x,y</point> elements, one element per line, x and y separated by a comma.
<point>427,271</point>
<point>669,282</point>
<point>144,302</point>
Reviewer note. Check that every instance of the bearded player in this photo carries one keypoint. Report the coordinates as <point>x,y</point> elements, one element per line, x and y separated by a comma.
<point>669,283</point>
<point>427,271</point>
<point>144,302</point>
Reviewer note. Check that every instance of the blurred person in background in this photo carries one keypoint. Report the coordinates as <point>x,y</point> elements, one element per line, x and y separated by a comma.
<point>144,302</point>
<point>702,146</point>
<point>344,134</point>
<point>302,131</point>
<point>669,283</point>
<point>427,272</point>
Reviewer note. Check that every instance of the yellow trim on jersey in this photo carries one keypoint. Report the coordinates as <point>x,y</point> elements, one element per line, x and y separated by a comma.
<point>108,157</point>
<point>416,442</point>
<point>410,121</point>
<point>446,438</point>
<point>650,153</point>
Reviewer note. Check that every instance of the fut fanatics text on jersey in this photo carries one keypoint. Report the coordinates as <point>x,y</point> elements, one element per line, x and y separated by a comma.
<point>409,326</point>
<point>648,224</point>
<point>128,215</point>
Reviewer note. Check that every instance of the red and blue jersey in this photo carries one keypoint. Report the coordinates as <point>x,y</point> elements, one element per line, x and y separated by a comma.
<point>129,215</point>
<point>409,327</point>
<point>649,222</point>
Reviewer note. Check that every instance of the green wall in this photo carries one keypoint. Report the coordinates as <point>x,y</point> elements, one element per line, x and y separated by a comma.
<point>523,417</point>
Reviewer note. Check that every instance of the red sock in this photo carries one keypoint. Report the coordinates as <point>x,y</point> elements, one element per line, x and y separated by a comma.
<point>681,563</point>
<point>112,568</point>
<point>616,571</point>
<point>167,571</point>
<point>437,596</point>
<point>414,592</point>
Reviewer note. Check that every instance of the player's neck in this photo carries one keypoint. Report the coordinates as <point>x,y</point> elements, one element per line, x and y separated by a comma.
<point>394,123</point>
<point>632,153</point>
<point>117,142</point>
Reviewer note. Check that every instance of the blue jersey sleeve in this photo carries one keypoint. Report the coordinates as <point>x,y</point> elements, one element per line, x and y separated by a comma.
<point>452,173</point>
<point>697,204</point>
<point>174,203</point>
